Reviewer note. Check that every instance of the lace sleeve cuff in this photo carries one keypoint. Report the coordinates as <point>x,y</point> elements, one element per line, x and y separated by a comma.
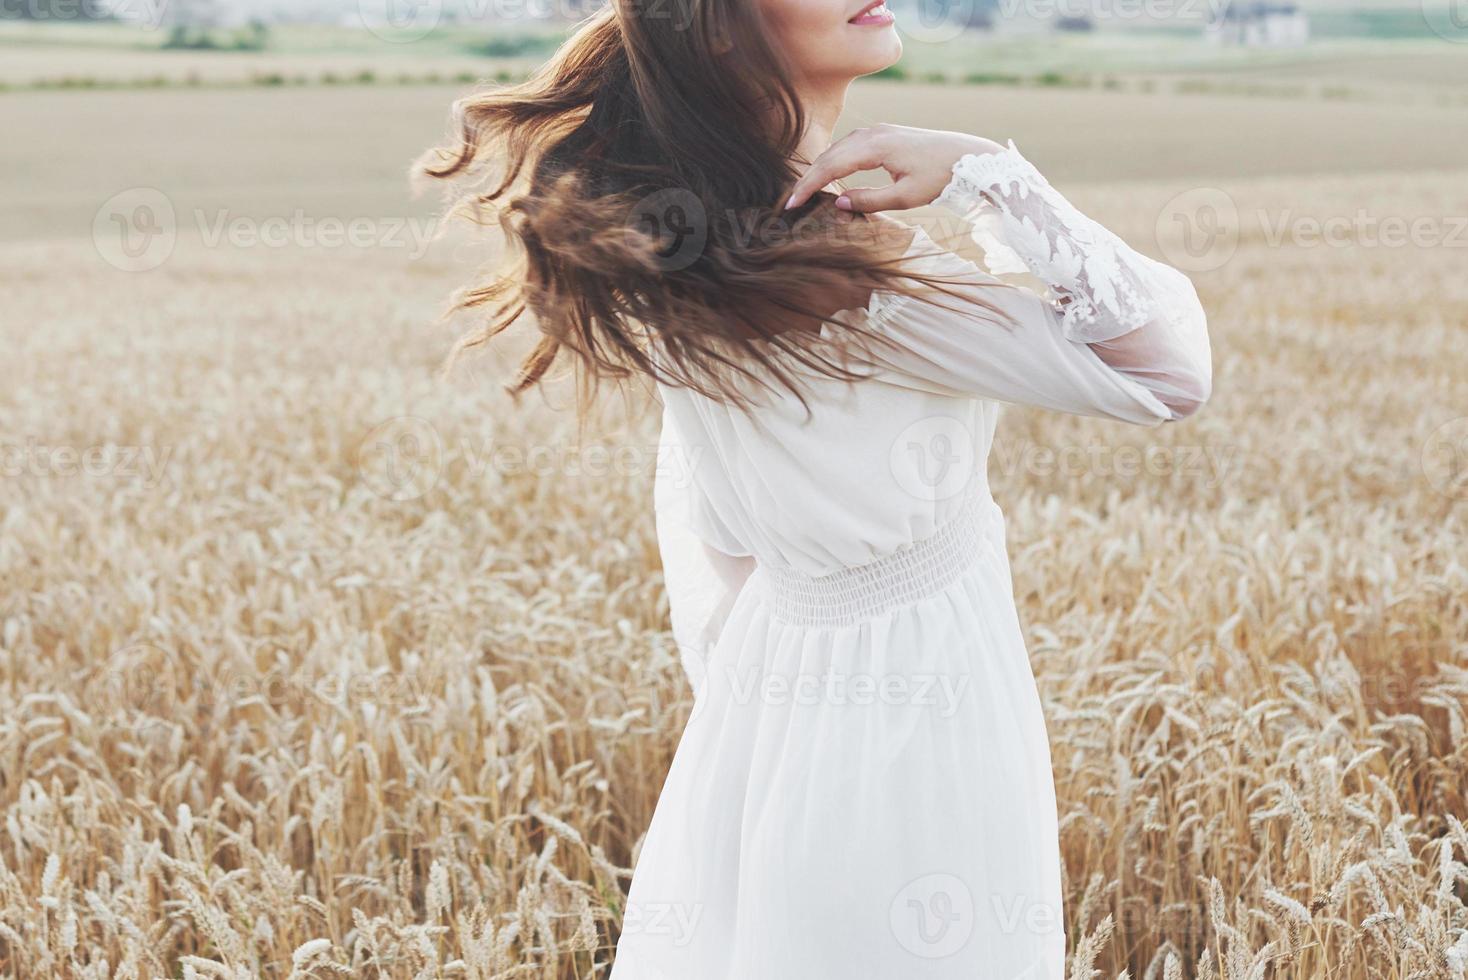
<point>1099,287</point>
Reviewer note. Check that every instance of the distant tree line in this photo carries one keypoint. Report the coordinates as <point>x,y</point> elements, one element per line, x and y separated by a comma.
<point>199,25</point>
<point>205,13</point>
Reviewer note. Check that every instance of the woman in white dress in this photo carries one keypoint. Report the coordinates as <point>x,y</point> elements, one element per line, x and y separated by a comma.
<point>863,788</point>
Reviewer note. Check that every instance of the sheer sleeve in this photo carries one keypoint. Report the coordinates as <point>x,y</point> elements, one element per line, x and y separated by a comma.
<point>1141,317</point>
<point>704,566</point>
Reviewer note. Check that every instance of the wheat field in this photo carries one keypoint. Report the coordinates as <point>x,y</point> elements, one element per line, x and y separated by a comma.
<point>313,664</point>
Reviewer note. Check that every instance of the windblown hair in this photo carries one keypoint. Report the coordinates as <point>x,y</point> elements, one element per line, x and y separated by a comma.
<point>642,175</point>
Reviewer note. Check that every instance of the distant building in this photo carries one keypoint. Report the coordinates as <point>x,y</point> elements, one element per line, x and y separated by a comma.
<point>1076,24</point>
<point>970,15</point>
<point>1260,24</point>
<point>979,19</point>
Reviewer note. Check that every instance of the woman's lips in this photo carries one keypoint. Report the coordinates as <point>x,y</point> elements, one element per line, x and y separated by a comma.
<point>873,13</point>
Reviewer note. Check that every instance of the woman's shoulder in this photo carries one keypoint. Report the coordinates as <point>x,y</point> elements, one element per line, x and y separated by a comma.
<point>894,238</point>
<point>929,248</point>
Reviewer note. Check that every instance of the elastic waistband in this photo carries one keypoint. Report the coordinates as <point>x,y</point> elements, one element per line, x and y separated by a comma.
<point>860,592</point>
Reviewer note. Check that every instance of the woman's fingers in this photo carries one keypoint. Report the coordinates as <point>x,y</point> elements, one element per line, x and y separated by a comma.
<point>852,153</point>
<point>920,162</point>
<point>865,200</point>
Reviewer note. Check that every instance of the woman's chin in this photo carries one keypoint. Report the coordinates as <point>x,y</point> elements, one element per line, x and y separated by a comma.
<point>880,52</point>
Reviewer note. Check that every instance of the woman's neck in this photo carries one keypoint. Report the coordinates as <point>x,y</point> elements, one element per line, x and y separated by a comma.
<point>822,114</point>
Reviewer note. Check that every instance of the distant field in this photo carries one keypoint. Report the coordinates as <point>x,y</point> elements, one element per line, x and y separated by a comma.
<point>117,54</point>
<point>1364,62</point>
<point>314,665</point>
<point>1415,68</point>
<point>346,151</point>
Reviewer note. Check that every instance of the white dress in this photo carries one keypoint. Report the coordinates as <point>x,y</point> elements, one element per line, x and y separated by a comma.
<point>863,790</point>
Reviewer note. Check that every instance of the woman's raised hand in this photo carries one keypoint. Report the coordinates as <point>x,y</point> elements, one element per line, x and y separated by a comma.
<point>919,161</point>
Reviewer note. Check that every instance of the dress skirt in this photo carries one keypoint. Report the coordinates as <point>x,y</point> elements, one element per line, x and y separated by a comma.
<point>863,790</point>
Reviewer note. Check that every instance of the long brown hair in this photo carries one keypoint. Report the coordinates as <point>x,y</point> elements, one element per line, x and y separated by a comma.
<point>643,179</point>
